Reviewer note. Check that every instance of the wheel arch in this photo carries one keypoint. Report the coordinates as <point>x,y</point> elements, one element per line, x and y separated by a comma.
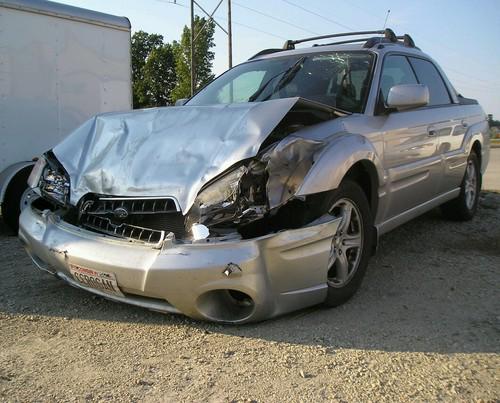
<point>11,173</point>
<point>477,140</point>
<point>476,147</point>
<point>349,156</point>
<point>364,174</point>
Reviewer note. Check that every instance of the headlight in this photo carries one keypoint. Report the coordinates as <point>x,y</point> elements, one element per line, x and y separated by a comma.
<point>36,173</point>
<point>217,202</point>
<point>54,182</point>
<point>223,192</point>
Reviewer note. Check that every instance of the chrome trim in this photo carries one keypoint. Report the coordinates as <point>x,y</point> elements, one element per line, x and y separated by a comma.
<point>123,230</point>
<point>177,206</point>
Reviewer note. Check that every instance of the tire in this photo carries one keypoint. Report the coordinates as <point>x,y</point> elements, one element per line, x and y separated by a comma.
<point>464,207</point>
<point>348,262</point>
<point>11,207</point>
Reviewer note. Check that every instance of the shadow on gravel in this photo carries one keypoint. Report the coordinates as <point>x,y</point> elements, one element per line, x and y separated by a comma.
<point>432,287</point>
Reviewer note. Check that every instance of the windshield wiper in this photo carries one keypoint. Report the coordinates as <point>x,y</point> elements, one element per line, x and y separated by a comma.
<point>286,76</point>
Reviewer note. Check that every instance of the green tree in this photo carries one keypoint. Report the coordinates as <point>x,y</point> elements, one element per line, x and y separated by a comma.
<point>492,122</point>
<point>203,57</point>
<point>160,76</point>
<point>153,70</point>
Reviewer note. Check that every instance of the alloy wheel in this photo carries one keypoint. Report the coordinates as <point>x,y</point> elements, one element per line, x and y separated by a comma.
<point>347,243</point>
<point>470,185</point>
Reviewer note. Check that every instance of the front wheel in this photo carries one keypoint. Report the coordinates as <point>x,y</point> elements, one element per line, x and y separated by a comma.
<point>352,243</point>
<point>464,206</point>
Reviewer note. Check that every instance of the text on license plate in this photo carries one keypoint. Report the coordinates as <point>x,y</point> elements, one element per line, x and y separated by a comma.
<point>99,280</point>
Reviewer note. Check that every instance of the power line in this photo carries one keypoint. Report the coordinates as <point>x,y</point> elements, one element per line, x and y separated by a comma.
<point>173,2</point>
<point>275,18</point>
<point>434,41</point>
<point>255,29</point>
<point>471,76</point>
<point>318,15</point>
<point>233,21</point>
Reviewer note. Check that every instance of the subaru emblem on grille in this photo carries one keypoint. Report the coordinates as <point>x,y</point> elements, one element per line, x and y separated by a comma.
<point>120,212</point>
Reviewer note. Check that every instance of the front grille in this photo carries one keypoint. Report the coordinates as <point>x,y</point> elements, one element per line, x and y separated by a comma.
<point>123,230</point>
<point>138,219</point>
<point>107,205</point>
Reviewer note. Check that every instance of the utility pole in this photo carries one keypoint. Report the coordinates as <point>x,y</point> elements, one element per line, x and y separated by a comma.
<point>194,37</point>
<point>229,34</point>
<point>193,64</point>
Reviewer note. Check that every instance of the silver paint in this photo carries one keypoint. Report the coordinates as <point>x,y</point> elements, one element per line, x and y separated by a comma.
<point>417,157</point>
<point>407,96</point>
<point>165,151</point>
<point>175,278</point>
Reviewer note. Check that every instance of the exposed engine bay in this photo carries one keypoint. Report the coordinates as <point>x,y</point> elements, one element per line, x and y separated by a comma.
<point>252,197</point>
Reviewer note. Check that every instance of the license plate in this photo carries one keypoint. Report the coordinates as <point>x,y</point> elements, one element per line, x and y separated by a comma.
<point>99,280</point>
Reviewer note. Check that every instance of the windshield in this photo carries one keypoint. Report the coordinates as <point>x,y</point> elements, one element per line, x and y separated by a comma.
<point>338,79</point>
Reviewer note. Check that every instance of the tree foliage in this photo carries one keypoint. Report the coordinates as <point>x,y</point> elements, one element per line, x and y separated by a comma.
<point>153,70</point>
<point>160,76</point>
<point>203,57</point>
<point>492,122</point>
<point>161,72</point>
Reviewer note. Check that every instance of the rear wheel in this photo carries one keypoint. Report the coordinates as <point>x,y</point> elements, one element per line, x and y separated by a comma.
<point>352,243</point>
<point>464,206</point>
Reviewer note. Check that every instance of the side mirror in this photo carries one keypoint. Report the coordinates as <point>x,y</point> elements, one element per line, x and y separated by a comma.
<point>407,96</point>
<point>181,102</point>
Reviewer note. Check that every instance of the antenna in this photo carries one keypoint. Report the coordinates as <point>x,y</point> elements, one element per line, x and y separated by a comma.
<point>386,18</point>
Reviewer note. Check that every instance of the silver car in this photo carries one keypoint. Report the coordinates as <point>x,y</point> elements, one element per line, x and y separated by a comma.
<point>264,193</point>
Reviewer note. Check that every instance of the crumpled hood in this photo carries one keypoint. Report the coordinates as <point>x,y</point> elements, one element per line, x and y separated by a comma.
<point>170,151</point>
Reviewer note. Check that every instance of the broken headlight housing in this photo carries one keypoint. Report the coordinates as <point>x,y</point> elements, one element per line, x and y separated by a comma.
<point>51,179</point>
<point>232,199</point>
<point>222,194</point>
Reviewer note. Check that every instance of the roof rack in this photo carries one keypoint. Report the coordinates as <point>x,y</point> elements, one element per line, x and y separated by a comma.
<point>389,37</point>
<point>388,33</point>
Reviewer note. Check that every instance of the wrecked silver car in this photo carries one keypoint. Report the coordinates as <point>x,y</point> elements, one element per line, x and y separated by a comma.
<point>267,191</point>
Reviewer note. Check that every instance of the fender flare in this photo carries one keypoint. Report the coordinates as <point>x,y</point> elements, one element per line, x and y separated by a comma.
<point>333,162</point>
<point>10,173</point>
<point>478,132</point>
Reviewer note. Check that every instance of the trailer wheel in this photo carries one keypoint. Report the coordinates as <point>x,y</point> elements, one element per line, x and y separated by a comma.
<point>11,206</point>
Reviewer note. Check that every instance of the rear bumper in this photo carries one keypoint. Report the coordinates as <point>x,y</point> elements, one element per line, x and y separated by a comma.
<point>280,272</point>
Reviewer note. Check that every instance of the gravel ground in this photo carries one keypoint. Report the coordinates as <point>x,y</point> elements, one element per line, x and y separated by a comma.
<point>424,326</point>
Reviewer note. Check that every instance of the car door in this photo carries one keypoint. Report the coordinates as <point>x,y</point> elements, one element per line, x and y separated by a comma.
<point>450,122</point>
<point>411,157</point>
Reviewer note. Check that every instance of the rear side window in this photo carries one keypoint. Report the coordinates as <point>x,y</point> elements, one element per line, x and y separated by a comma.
<point>427,74</point>
<point>396,70</point>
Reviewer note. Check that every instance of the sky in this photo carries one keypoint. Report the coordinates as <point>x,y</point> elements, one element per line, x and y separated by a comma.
<point>461,35</point>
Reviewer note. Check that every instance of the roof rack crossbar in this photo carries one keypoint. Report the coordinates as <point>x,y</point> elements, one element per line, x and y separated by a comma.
<point>343,42</point>
<point>290,44</point>
<point>372,41</point>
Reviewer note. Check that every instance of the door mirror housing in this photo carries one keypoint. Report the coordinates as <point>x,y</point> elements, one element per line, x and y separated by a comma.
<point>408,96</point>
<point>181,101</point>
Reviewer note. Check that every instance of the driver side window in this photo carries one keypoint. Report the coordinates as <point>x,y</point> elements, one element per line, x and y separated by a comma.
<point>396,70</point>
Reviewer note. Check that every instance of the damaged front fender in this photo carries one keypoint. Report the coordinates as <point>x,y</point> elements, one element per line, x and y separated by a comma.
<point>287,165</point>
<point>334,161</point>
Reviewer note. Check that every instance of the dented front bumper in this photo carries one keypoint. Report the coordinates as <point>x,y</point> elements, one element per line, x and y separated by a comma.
<point>276,273</point>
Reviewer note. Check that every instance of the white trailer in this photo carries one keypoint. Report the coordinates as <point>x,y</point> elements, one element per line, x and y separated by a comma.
<point>59,65</point>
